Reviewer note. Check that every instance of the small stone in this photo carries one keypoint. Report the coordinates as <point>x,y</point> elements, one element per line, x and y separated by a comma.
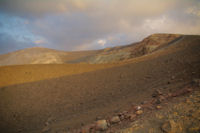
<point>45,129</point>
<point>126,116</point>
<point>132,117</point>
<point>166,127</point>
<point>124,112</point>
<point>196,82</point>
<point>169,95</point>
<point>101,125</point>
<point>115,119</point>
<point>87,128</point>
<point>175,113</point>
<point>98,118</point>
<point>162,98</point>
<point>139,112</point>
<point>158,101</point>
<point>156,93</point>
<point>138,108</point>
<point>144,102</point>
<point>173,77</point>
<point>158,107</point>
<point>189,90</point>
<point>159,116</point>
<point>122,117</point>
<point>193,73</point>
<point>47,123</point>
<point>172,127</point>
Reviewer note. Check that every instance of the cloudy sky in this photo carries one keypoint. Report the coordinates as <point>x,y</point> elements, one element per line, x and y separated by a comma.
<point>91,24</point>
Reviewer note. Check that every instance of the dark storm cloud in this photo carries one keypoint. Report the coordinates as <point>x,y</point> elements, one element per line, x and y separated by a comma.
<point>93,24</point>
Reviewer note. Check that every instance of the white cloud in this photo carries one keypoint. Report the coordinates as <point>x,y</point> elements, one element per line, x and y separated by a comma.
<point>93,24</point>
<point>157,23</point>
<point>101,42</point>
<point>194,11</point>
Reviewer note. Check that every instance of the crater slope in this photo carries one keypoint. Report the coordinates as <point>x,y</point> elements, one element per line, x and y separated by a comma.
<point>39,55</point>
<point>72,101</point>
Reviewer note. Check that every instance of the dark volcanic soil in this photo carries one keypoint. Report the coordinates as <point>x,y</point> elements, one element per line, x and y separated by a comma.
<point>76,100</point>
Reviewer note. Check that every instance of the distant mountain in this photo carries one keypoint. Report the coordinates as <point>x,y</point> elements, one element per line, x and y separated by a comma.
<point>38,55</point>
<point>148,45</point>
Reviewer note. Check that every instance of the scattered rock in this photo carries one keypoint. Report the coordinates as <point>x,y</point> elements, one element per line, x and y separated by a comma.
<point>159,116</point>
<point>196,82</point>
<point>182,92</point>
<point>134,111</point>
<point>158,107</point>
<point>98,118</point>
<point>47,123</point>
<point>132,117</point>
<point>115,119</point>
<point>166,127</point>
<point>158,101</point>
<point>138,108</point>
<point>139,112</point>
<point>88,128</point>
<point>144,102</point>
<point>156,93</point>
<point>169,95</point>
<point>173,77</point>
<point>122,117</point>
<point>171,127</point>
<point>193,73</point>
<point>127,116</point>
<point>189,90</point>
<point>46,129</point>
<point>101,125</point>
<point>161,98</point>
<point>124,112</point>
<point>120,114</point>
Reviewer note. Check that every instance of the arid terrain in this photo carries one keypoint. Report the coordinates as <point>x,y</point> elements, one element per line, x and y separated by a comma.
<point>39,55</point>
<point>149,86</point>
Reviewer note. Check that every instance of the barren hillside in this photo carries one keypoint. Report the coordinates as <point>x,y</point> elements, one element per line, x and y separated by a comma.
<point>39,55</point>
<point>69,102</point>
